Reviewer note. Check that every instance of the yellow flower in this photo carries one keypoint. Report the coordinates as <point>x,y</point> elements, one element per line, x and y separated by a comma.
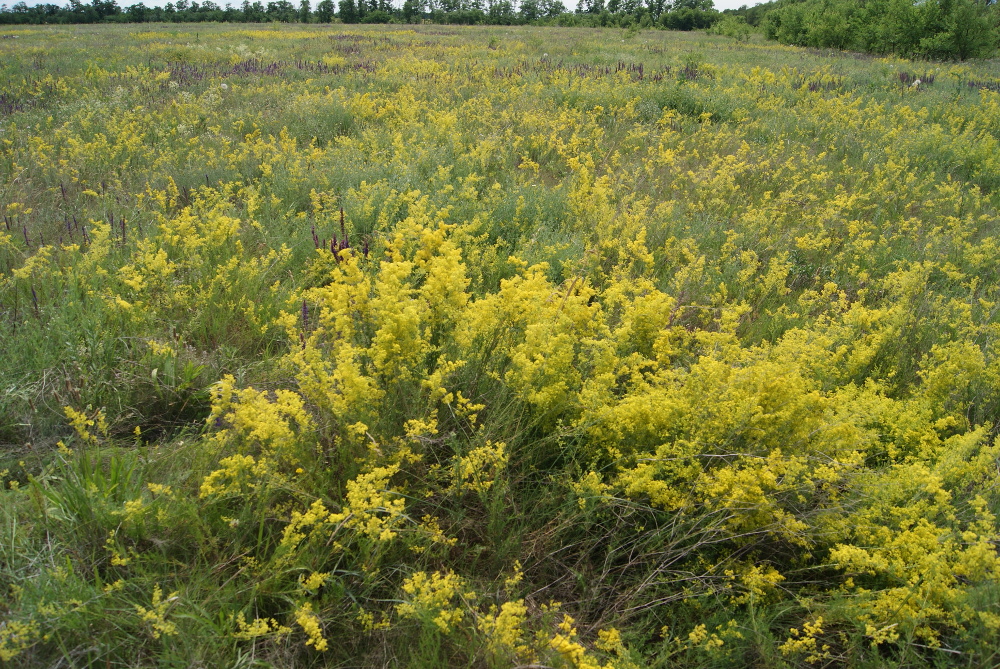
<point>156,615</point>
<point>310,624</point>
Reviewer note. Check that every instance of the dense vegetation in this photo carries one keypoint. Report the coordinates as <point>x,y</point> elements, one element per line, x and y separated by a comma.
<point>941,29</point>
<point>458,346</point>
<point>678,15</point>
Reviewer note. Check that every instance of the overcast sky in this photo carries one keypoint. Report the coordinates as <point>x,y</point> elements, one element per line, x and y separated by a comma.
<point>735,4</point>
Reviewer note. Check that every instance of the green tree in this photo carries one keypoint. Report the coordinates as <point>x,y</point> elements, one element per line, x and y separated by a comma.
<point>551,8</point>
<point>412,10</point>
<point>501,11</point>
<point>348,11</point>
<point>962,29</point>
<point>693,4</point>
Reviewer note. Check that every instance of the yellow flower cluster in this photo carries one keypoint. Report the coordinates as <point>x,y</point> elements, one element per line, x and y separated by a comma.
<point>478,470</point>
<point>238,474</point>
<point>273,426</point>
<point>504,630</point>
<point>437,598</point>
<point>806,642</point>
<point>258,627</point>
<point>156,616</point>
<point>571,652</point>
<point>16,637</point>
<point>310,624</point>
<point>82,423</point>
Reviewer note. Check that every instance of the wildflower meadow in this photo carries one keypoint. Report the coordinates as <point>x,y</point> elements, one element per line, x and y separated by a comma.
<point>494,347</point>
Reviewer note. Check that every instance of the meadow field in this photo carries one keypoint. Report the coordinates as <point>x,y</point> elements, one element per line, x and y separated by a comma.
<point>495,347</point>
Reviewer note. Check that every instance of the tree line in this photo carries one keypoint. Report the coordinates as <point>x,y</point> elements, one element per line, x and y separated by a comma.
<point>667,14</point>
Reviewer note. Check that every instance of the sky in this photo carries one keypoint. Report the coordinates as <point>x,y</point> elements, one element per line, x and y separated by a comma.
<point>735,4</point>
